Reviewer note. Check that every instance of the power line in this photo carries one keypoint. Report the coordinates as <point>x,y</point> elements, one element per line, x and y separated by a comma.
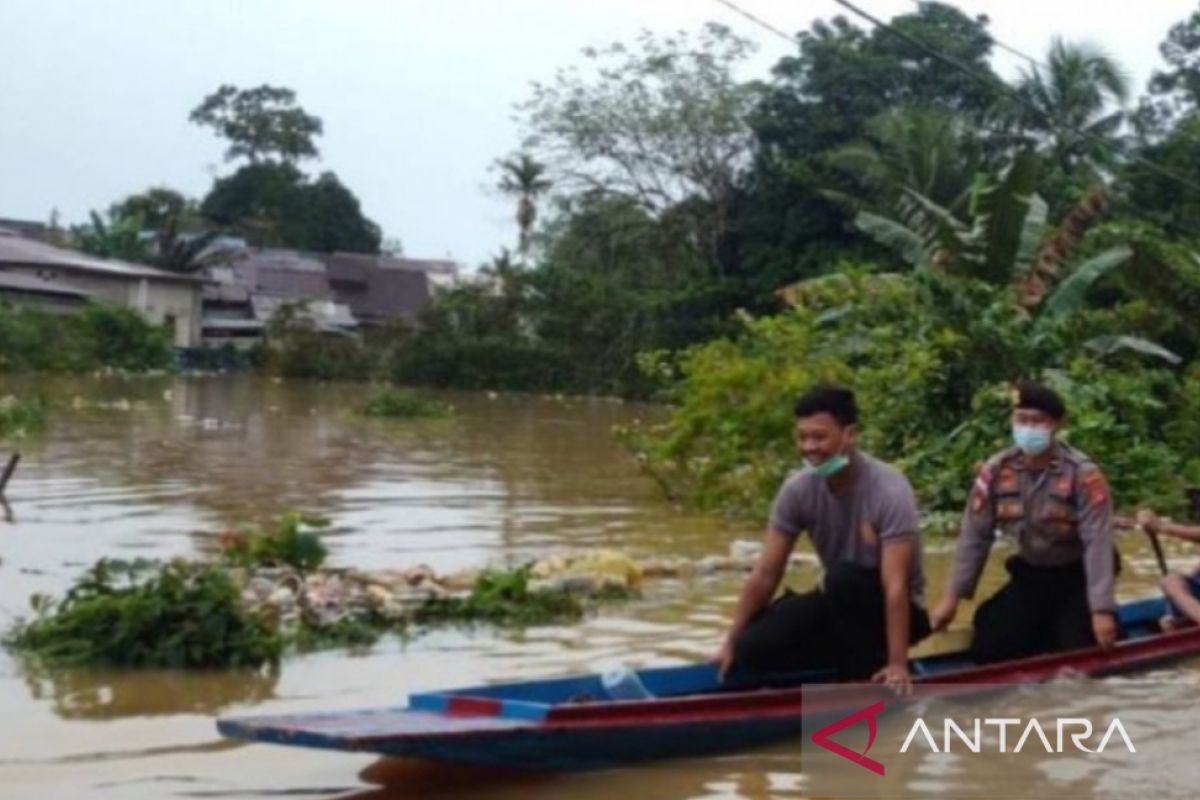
<point>758,21</point>
<point>1013,95</point>
<point>1003,46</point>
<point>992,83</point>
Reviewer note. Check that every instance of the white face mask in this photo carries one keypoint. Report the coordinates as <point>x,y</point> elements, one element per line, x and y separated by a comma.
<point>1032,439</point>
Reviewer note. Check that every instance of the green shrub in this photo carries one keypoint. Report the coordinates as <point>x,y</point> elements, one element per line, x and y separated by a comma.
<point>177,615</point>
<point>395,403</point>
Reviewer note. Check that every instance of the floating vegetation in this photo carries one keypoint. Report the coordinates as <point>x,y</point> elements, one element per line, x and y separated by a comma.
<point>392,403</point>
<point>176,615</point>
<point>292,542</point>
<point>504,597</point>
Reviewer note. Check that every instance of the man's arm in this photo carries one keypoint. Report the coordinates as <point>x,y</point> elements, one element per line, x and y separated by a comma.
<point>898,527</point>
<point>975,538</point>
<point>1093,504</point>
<point>896,564</point>
<point>758,590</point>
<point>1156,524</point>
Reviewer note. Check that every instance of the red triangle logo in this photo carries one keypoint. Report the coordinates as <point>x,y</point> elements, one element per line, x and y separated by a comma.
<point>821,737</point>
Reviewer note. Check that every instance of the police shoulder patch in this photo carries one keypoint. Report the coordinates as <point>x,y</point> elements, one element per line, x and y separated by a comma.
<point>1095,486</point>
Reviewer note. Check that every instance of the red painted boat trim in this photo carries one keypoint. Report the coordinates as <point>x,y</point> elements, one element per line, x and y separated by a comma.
<point>773,703</point>
<point>467,706</point>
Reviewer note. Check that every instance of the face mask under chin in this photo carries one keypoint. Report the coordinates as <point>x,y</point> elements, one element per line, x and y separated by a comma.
<point>830,466</point>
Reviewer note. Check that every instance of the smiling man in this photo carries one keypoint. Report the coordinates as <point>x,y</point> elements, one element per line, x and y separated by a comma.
<point>1054,503</point>
<point>861,516</point>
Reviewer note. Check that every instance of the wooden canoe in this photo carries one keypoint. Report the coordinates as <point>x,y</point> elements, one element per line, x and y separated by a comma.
<point>563,724</point>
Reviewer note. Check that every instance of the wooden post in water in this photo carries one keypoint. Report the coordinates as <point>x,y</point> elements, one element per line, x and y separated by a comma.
<point>8,471</point>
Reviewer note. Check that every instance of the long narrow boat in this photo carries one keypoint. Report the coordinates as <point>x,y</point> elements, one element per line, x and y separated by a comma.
<point>561,724</point>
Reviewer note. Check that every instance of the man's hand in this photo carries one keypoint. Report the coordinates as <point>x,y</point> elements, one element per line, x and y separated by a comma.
<point>1104,626</point>
<point>896,678</point>
<point>943,615</point>
<point>1148,520</point>
<point>724,658</point>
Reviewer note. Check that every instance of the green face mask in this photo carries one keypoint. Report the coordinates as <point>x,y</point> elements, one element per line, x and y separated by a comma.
<point>831,466</point>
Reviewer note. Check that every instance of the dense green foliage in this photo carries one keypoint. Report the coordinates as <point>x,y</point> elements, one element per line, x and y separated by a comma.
<point>178,615</point>
<point>97,337</point>
<point>277,205</point>
<point>20,417</point>
<point>932,361</point>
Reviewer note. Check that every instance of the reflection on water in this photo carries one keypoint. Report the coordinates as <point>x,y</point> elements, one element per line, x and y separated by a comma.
<point>158,467</point>
<point>111,694</point>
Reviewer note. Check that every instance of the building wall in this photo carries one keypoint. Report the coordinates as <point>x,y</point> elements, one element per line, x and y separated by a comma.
<point>54,304</point>
<point>158,300</point>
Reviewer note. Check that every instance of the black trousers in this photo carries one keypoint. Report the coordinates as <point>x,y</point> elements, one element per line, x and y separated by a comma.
<point>840,626</point>
<point>1039,610</point>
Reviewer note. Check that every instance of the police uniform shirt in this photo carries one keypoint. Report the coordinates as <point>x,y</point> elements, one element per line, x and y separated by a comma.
<point>1057,515</point>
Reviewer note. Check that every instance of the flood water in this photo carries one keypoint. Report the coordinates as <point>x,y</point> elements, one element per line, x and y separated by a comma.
<point>159,467</point>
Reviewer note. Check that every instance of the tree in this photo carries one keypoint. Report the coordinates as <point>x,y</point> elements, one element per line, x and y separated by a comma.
<point>117,237</point>
<point>660,123</point>
<point>1174,92</point>
<point>1070,107</point>
<point>276,205</point>
<point>181,235</point>
<point>522,177</point>
<point>842,85</point>
<point>260,124</point>
<point>927,151</point>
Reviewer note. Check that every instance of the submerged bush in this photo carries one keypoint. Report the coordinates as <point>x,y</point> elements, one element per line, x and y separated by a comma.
<point>287,544</point>
<point>97,337</point>
<point>177,615</point>
<point>19,417</point>
<point>503,597</point>
<point>394,403</point>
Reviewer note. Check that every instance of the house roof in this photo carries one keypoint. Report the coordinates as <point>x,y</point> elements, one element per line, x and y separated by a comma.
<point>29,284</point>
<point>20,251</point>
<point>378,287</point>
<point>284,273</point>
<point>348,261</point>
<point>25,227</point>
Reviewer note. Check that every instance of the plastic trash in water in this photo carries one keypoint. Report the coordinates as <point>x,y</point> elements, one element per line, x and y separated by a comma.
<point>622,683</point>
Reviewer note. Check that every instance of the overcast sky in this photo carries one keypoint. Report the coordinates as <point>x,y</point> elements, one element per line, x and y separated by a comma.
<point>416,95</point>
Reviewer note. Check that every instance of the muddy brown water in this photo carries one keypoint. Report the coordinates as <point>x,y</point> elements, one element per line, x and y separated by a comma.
<point>158,467</point>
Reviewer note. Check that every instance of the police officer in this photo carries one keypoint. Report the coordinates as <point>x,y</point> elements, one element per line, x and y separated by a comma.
<point>1055,503</point>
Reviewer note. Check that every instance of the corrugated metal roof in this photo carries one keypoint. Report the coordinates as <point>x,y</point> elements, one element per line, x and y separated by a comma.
<point>18,250</point>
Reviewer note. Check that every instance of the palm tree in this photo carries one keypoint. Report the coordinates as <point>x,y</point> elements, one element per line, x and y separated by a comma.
<point>522,177</point>
<point>1068,105</point>
<point>928,151</point>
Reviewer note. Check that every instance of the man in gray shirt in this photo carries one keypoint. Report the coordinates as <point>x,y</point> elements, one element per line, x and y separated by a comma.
<point>861,516</point>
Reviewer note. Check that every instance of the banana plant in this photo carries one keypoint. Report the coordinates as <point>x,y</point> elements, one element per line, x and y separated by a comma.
<point>1006,241</point>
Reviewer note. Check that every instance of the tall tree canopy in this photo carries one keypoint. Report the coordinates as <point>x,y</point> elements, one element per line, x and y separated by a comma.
<point>260,124</point>
<point>277,205</point>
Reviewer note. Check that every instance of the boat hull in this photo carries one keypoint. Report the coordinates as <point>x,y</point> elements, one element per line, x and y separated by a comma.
<point>543,724</point>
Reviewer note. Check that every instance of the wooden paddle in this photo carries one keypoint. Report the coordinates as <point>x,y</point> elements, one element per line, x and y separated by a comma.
<point>1129,522</point>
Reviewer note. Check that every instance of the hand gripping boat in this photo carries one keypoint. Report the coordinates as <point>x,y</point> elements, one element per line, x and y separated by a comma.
<point>568,724</point>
